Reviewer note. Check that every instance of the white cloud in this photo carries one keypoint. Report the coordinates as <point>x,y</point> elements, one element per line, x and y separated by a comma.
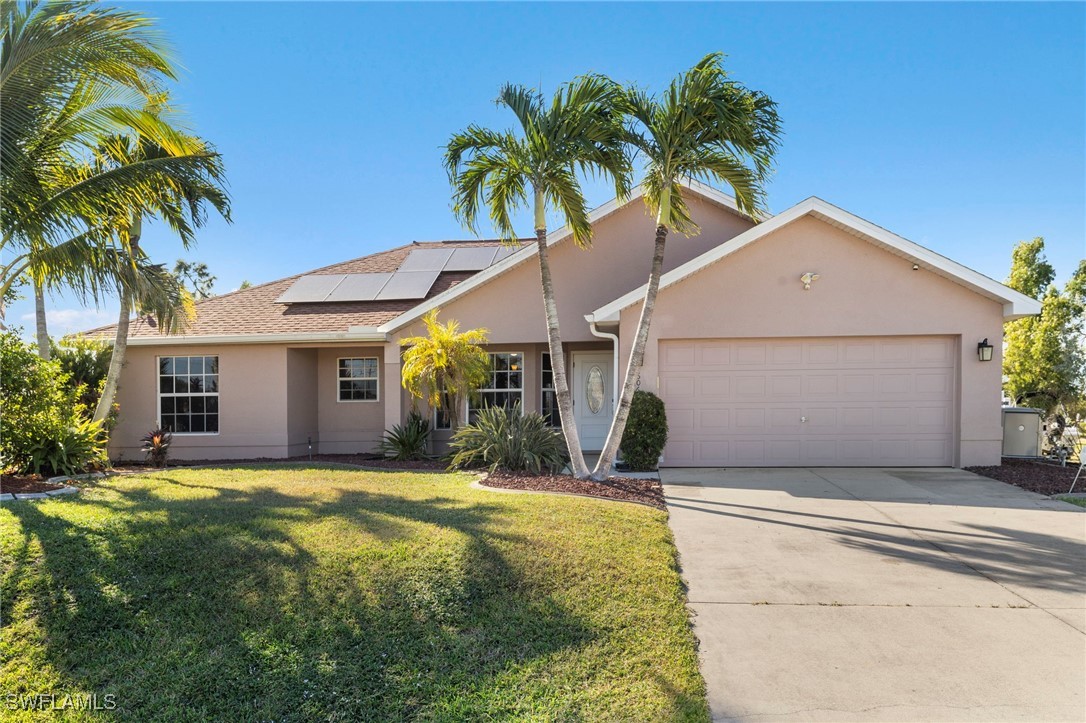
<point>68,321</point>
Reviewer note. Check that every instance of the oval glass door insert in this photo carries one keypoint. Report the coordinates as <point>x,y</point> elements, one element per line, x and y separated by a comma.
<point>593,390</point>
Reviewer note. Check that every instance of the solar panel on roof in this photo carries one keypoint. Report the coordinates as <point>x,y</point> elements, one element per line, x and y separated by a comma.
<point>426,260</point>
<point>503,252</point>
<point>311,288</point>
<point>408,285</point>
<point>359,287</point>
<point>474,258</point>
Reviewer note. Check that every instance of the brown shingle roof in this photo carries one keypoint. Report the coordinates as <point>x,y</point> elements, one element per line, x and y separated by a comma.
<point>255,311</point>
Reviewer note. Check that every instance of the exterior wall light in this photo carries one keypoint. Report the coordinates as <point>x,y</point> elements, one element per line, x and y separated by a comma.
<point>984,350</point>
<point>807,279</point>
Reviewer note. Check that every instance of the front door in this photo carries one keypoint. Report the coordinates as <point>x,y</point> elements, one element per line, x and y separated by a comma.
<point>593,389</point>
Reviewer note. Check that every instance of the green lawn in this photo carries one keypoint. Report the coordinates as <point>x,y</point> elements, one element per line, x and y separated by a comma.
<point>1080,501</point>
<point>282,593</point>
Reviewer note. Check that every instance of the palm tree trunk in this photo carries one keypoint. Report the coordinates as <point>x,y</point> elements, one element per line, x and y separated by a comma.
<point>40,322</point>
<point>558,361</point>
<point>116,362</point>
<point>637,357</point>
<point>554,343</point>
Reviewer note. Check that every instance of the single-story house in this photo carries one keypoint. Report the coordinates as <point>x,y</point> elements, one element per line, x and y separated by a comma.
<point>811,338</point>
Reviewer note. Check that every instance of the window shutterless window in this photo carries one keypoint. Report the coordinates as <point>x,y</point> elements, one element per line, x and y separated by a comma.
<point>548,402</point>
<point>188,394</point>
<point>358,379</point>
<point>505,386</point>
<point>443,415</point>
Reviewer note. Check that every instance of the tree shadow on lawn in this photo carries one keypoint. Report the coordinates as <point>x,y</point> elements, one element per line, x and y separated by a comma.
<point>1013,556</point>
<point>255,604</point>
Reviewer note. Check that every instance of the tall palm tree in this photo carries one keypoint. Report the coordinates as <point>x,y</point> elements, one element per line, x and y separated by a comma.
<point>580,131</point>
<point>181,201</point>
<point>704,127</point>
<point>70,73</point>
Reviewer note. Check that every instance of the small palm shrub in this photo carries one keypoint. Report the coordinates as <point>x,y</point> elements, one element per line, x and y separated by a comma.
<point>43,426</point>
<point>646,432</point>
<point>156,445</point>
<point>406,441</point>
<point>70,450</point>
<point>507,439</point>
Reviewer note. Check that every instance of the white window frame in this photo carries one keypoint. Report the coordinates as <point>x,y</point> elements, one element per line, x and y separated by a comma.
<point>556,423</point>
<point>376,378</point>
<point>159,395</point>
<point>483,390</point>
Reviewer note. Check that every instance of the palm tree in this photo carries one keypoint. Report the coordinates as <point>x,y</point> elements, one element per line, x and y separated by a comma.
<point>704,127</point>
<point>445,366</point>
<point>579,132</point>
<point>70,74</point>
<point>181,201</point>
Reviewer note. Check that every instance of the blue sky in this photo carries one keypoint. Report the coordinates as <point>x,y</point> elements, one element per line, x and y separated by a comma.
<point>959,126</point>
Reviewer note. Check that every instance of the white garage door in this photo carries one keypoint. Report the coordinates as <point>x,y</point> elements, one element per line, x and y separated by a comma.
<point>857,401</point>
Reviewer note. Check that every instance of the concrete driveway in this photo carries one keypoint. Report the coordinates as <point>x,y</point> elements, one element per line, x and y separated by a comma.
<point>893,594</point>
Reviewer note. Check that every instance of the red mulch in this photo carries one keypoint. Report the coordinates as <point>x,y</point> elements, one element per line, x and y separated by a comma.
<point>364,460</point>
<point>646,491</point>
<point>25,484</point>
<point>1045,479</point>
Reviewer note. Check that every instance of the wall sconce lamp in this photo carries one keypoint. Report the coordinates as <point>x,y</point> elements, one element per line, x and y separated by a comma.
<point>807,279</point>
<point>984,350</point>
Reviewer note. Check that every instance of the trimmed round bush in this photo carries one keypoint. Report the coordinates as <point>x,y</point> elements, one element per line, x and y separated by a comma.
<point>646,432</point>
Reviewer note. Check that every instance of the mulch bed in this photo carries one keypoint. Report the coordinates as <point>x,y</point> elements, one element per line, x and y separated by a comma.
<point>364,460</point>
<point>1045,479</point>
<point>646,491</point>
<point>25,484</point>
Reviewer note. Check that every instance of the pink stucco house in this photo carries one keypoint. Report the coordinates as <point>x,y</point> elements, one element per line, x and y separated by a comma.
<point>874,362</point>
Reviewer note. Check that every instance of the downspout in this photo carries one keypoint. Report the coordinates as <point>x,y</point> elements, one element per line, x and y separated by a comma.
<point>614,357</point>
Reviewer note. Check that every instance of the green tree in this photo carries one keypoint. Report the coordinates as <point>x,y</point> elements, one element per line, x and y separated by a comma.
<point>86,362</point>
<point>196,277</point>
<point>181,201</point>
<point>446,366</point>
<point>1044,364</point>
<point>579,131</point>
<point>71,75</point>
<point>707,127</point>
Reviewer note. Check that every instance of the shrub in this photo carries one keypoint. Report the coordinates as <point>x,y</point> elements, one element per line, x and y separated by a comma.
<point>504,438</point>
<point>44,426</point>
<point>86,362</point>
<point>70,450</point>
<point>156,445</point>
<point>406,441</point>
<point>646,432</point>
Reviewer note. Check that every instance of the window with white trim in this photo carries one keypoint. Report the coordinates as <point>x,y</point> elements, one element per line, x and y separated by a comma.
<point>188,394</point>
<point>358,379</point>
<point>505,385</point>
<point>548,401</point>
<point>443,414</point>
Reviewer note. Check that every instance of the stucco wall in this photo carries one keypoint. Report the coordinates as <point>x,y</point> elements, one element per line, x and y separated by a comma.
<point>862,291</point>
<point>348,427</point>
<point>302,400</point>
<point>252,403</point>
<point>511,305</point>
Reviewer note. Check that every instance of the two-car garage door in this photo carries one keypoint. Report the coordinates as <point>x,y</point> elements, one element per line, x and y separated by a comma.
<point>853,401</point>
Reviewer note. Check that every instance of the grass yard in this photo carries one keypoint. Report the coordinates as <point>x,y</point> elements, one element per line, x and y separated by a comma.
<point>287,593</point>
